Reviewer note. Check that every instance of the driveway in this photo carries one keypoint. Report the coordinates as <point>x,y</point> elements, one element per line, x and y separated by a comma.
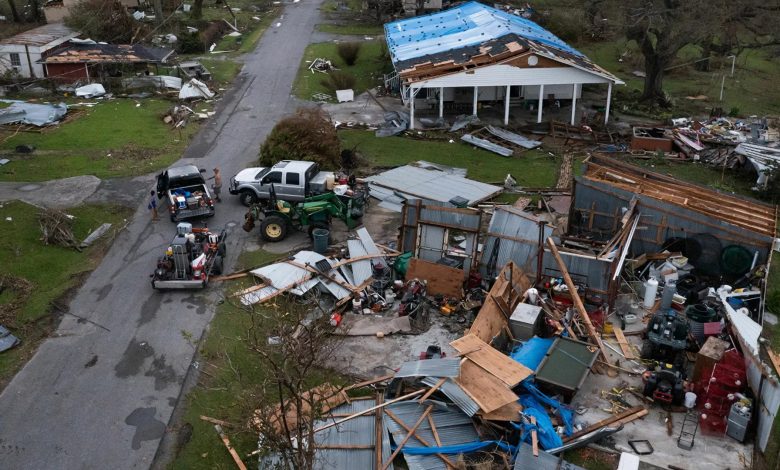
<point>100,392</point>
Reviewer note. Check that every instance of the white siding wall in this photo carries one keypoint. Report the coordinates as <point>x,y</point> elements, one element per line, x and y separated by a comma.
<point>5,59</point>
<point>492,93</point>
<point>502,75</point>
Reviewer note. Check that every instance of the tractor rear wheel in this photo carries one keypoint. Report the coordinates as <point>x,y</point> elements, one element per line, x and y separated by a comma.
<point>216,268</point>
<point>273,228</point>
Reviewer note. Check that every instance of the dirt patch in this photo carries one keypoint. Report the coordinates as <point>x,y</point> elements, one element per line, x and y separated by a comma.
<point>19,289</point>
<point>130,154</point>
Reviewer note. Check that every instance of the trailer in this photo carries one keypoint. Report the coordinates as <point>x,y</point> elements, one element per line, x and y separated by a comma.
<point>193,256</point>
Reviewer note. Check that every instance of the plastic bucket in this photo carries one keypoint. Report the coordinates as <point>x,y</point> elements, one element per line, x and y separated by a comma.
<point>320,238</point>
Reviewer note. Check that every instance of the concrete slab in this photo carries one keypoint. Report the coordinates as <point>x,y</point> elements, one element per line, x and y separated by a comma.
<point>708,451</point>
<point>59,194</point>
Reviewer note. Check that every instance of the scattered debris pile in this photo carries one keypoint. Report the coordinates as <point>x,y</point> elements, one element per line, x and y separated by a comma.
<point>57,228</point>
<point>39,115</point>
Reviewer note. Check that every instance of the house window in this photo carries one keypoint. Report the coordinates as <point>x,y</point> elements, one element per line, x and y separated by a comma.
<point>16,61</point>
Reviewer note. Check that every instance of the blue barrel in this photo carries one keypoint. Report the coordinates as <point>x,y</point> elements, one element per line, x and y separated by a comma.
<point>320,237</point>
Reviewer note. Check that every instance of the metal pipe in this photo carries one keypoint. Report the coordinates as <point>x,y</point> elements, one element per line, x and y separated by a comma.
<point>540,252</point>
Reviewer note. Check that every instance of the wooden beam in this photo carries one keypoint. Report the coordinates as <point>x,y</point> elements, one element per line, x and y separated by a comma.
<point>409,434</point>
<point>418,437</point>
<point>327,276</point>
<point>534,439</point>
<point>378,431</point>
<point>576,299</point>
<point>361,413</point>
<point>231,450</point>
<point>623,343</point>
<point>216,421</point>
<point>370,382</point>
<point>433,389</point>
<point>774,358</point>
<point>434,431</point>
<point>606,422</point>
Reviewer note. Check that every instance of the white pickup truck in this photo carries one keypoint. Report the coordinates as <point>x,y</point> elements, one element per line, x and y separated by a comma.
<point>186,193</point>
<point>293,180</point>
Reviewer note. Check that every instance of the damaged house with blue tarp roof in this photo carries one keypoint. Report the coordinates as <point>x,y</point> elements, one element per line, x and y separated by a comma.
<point>461,58</point>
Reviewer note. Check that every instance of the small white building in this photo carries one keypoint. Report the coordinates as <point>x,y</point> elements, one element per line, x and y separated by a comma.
<point>463,56</point>
<point>20,54</point>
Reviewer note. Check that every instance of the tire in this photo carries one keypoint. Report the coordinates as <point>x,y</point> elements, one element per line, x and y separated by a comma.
<point>317,225</point>
<point>216,268</point>
<point>173,218</point>
<point>247,197</point>
<point>221,249</point>
<point>273,229</point>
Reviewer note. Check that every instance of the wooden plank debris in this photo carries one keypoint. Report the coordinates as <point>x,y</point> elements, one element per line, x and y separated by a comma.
<point>373,408</point>
<point>444,280</point>
<point>231,450</point>
<point>422,440</point>
<point>489,392</point>
<point>622,418</point>
<point>576,299</point>
<point>490,321</point>
<point>409,434</point>
<point>432,389</point>
<point>628,353</point>
<point>508,412</point>
<point>509,371</point>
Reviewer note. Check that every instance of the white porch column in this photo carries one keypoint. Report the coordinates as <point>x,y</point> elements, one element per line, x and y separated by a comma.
<point>403,93</point>
<point>506,106</point>
<point>573,103</point>
<point>412,95</point>
<point>541,102</point>
<point>441,102</point>
<point>476,92</point>
<point>609,101</point>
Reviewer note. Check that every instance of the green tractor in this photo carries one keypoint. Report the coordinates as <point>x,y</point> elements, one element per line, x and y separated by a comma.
<point>314,212</point>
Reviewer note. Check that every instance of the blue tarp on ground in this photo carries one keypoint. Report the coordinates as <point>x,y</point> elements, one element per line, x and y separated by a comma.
<point>458,449</point>
<point>532,352</point>
<point>465,25</point>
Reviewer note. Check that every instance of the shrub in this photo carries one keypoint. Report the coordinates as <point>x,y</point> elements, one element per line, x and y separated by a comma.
<point>191,44</point>
<point>308,134</point>
<point>338,80</point>
<point>349,52</point>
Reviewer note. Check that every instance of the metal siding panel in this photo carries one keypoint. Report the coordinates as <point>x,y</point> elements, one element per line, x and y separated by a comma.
<point>453,391</point>
<point>361,270</point>
<point>431,242</point>
<point>430,367</point>
<point>432,184</point>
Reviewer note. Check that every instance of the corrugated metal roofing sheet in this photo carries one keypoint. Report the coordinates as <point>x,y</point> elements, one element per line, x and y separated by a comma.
<point>431,184</point>
<point>452,426</point>
<point>430,367</point>
<point>487,145</point>
<point>516,139</point>
<point>453,391</point>
<point>370,246</point>
<point>465,25</point>
<point>361,270</point>
<point>520,246</point>
<point>41,35</point>
<point>358,432</point>
<point>527,461</point>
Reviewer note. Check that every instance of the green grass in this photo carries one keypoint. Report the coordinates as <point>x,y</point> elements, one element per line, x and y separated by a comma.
<point>52,270</point>
<point>755,70</point>
<point>533,168</point>
<point>222,70</point>
<point>136,138</point>
<point>219,394</point>
<point>361,29</point>
<point>368,69</point>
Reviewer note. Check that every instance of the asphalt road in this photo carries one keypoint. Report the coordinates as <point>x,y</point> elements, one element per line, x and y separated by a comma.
<point>99,394</point>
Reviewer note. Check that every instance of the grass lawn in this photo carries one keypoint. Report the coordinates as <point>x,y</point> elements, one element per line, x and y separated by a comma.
<point>534,168</point>
<point>361,29</point>
<point>114,138</point>
<point>367,70</point>
<point>51,270</point>
<point>223,70</point>
<point>754,70</point>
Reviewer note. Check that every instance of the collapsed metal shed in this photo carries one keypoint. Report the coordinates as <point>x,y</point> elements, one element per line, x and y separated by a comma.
<point>670,209</point>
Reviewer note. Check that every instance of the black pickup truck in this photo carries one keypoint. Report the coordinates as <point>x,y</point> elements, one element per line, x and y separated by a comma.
<point>186,193</point>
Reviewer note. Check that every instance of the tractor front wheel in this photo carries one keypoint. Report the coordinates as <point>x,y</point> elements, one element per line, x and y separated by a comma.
<point>273,229</point>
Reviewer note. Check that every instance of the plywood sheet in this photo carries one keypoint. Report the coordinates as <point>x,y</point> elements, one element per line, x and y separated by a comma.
<point>490,322</point>
<point>485,389</point>
<point>441,279</point>
<point>507,370</point>
<point>508,412</point>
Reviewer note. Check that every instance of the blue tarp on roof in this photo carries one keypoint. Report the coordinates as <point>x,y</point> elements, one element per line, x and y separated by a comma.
<point>465,25</point>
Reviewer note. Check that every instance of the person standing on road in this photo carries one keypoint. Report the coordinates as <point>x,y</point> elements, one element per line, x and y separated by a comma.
<point>217,186</point>
<point>153,207</point>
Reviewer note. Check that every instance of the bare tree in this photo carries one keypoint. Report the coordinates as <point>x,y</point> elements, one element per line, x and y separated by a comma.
<point>294,346</point>
<point>14,12</point>
<point>197,9</point>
